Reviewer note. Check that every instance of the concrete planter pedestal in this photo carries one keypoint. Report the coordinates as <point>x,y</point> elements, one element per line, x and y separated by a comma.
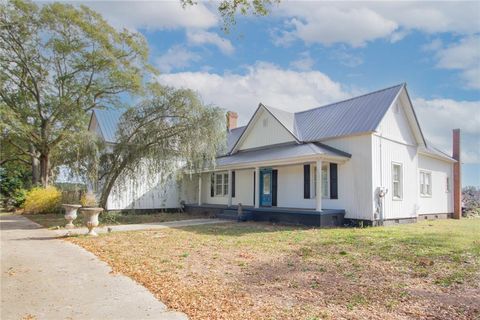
<point>91,219</point>
<point>70,214</point>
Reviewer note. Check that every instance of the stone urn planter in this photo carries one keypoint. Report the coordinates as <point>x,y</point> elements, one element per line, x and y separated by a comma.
<point>70,214</point>
<point>91,219</point>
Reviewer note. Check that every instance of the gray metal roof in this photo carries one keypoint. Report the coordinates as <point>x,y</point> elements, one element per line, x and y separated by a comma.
<point>353,116</point>
<point>108,121</point>
<point>281,152</point>
<point>430,149</point>
<point>233,135</point>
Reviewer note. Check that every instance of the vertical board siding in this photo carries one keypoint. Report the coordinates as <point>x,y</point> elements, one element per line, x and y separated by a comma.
<point>354,178</point>
<point>440,201</point>
<point>385,153</point>
<point>144,192</point>
<point>265,131</point>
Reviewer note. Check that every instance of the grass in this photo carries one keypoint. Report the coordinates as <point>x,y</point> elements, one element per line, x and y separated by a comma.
<point>54,220</point>
<point>264,271</point>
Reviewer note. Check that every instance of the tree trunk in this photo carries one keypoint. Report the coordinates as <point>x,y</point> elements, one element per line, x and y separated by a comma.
<point>35,166</point>
<point>44,169</point>
<point>110,181</point>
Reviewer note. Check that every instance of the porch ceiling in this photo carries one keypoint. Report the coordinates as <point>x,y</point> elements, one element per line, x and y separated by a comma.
<point>290,152</point>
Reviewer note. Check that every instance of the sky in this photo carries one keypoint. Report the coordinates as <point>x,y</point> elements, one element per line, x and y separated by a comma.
<point>307,54</point>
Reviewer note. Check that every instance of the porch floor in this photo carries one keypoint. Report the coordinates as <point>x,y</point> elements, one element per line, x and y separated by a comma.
<point>302,216</point>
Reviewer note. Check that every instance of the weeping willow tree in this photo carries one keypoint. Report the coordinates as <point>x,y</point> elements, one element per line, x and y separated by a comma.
<point>168,128</point>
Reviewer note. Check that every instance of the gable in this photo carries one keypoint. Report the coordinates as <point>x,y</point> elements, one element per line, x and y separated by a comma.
<point>395,125</point>
<point>94,126</point>
<point>264,130</point>
<point>399,122</point>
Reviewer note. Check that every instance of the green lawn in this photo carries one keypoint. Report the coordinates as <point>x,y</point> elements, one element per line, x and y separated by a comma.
<point>53,220</point>
<point>264,271</point>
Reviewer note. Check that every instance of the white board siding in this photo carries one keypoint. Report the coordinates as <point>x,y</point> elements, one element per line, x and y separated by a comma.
<point>265,131</point>
<point>354,178</point>
<point>243,187</point>
<point>385,153</point>
<point>441,201</point>
<point>144,193</point>
<point>395,125</point>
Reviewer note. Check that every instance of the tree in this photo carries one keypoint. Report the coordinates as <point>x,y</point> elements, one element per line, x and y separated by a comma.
<point>58,62</point>
<point>169,128</point>
<point>228,9</point>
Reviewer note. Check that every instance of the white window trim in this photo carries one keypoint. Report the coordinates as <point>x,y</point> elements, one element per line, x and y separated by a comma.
<point>425,195</point>
<point>399,198</point>
<point>224,176</point>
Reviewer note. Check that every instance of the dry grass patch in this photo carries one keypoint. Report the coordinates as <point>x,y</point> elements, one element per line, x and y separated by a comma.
<point>262,271</point>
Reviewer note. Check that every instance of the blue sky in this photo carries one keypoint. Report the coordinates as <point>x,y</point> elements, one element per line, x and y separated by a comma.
<point>306,54</point>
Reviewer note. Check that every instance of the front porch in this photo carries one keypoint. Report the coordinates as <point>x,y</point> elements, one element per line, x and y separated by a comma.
<point>298,216</point>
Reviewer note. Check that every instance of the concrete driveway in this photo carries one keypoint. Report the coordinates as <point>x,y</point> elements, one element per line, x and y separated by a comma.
<point>43,277</point>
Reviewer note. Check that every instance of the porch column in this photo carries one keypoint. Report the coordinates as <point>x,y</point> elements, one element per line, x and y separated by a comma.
<point>318,196</point>
<point>200,189</point>
<point>229,188</point>
<point>257,187</point>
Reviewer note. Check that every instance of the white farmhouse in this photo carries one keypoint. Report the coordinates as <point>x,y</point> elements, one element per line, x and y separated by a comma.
<point>362,159</point>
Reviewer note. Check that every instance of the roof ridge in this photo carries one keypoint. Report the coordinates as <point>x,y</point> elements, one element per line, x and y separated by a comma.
<point>352,98</point>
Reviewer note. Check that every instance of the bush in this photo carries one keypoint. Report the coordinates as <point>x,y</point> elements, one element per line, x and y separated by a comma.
<point>43,200</point>
<point>18,197</point>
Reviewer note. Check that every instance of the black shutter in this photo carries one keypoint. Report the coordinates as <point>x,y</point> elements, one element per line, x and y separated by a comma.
<point>254,187</point>
<point>212,185</point>
<point>333,181</point>
<point>233,184</point>
<point>306,181</point>
<point>274,187</point>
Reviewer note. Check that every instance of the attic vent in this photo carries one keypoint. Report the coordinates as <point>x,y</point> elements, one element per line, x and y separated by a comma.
<point>396,108</point>
<point>265,122</point>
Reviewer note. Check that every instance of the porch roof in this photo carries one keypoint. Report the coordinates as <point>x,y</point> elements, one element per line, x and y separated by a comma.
<point>282,152</point>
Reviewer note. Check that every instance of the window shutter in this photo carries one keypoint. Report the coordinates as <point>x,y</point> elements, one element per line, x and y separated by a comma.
<point>212,185</point>
<point>306,181</point>
<point>274,187</point>
<point>333,181</point>
<point>233,184</point>
<point>254,187</point>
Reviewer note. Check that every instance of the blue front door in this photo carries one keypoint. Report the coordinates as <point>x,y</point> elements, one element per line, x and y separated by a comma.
<point>266,187</point>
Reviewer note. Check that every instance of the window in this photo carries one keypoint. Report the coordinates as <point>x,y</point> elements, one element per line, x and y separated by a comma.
<point>425,183</point>
<point>397,184</point>
<point>221,184</point>
<point>325,181</point>
<point>447,184</point>
<point>266,183</point>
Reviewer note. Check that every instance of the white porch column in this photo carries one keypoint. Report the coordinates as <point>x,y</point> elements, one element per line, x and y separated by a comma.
<point>318,196</point>
<point>229,188</point>
<point>200,189</point>
<point>257,187</point>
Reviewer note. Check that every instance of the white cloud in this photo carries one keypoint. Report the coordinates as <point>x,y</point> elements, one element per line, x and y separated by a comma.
<point>357,23</point>
<point>155,15</point>
<point>200,37</point>
<point>177,57</point>
<point>263,82</point>
<point>304,62</point>
<point>464,56</point>
<point>439,116</point>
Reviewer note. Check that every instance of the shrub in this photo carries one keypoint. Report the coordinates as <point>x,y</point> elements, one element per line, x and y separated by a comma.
<point>43,200</point>
<point>18,197</point>
<point>88,200</point>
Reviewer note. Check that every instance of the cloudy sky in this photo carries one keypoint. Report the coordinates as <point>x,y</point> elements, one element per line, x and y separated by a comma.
<point>306,54</point>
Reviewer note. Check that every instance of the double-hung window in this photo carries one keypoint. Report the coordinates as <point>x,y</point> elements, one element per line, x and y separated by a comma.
<point>397,181</point>
<point>425,183</point>
<point>221,184</point>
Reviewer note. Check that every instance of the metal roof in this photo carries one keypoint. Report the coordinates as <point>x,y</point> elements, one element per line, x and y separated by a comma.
<point>233,135</point>
<point>430,149</point>
<point>353,116</point>
<point>282,152</point>
<point>108,120</point>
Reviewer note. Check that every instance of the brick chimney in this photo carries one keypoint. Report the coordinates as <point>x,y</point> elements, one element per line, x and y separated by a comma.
<point>231,120</point>
<point>457,182</point>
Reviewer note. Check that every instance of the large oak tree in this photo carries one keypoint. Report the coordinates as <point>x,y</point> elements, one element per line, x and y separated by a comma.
<point>58,62</point>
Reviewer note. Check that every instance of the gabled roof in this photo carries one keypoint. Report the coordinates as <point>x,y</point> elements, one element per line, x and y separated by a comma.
<point>233,135</point>
<point>356,115</point>
<point>108,120</point>
<point>353,116</point>
<point>435,152</point>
